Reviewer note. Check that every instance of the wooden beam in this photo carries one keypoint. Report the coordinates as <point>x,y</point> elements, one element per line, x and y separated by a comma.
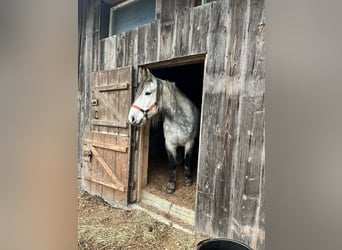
<point>121,86</point>
<point>185,214</point>
<point>180,61</point>
<point>104,145</point>
<point>104,183</point>
<point>115,124</point>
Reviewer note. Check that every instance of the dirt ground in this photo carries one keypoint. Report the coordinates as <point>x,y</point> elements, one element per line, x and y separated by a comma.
<point>100,226</point>
<point>158,178</point>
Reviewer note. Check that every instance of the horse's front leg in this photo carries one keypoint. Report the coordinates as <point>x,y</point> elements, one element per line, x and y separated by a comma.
<point>187,163</point>
<point>172,165</point>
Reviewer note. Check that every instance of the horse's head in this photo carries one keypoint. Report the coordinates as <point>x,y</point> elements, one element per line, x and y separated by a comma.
<point>146,103</point>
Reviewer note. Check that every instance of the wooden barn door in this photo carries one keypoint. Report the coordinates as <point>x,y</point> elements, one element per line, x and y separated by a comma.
<point>106,148</point>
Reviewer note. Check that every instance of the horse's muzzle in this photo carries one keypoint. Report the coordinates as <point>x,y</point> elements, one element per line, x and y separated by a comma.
<point>133,121</point>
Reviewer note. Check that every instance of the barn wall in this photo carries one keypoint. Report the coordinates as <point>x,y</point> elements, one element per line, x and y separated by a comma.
<point>179,31</point>
<point>230,200</point>
<point>231,183</point>
<point>85,51</point>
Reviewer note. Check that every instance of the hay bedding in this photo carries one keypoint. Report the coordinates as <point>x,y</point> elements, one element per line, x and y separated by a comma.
<point>101,226</point>
<point>157,180</point>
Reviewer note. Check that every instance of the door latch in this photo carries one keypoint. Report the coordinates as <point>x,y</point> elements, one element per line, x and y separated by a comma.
<point>87,155</point>
<point>94,102</point>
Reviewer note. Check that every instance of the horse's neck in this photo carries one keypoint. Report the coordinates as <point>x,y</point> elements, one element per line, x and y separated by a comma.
<point>170,101</point>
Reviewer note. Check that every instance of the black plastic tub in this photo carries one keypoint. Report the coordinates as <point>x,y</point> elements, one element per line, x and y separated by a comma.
<point>222,244</point>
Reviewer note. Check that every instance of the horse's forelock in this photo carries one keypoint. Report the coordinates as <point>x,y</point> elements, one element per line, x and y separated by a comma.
<point>143,83</point>
<point>141,87</point>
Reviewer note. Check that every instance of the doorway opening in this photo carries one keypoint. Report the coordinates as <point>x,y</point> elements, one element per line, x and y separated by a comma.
<point>189,79</point>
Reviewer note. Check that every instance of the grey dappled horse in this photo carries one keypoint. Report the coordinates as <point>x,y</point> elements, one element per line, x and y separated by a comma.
<point>180,120</point>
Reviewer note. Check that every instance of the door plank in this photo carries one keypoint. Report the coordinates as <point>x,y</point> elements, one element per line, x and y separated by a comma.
<point>108,105</point>
<point>107,145</point>
<point>105,165</point>
<point>104,123</point>
<point>121,86</point>
<point>104,183</point>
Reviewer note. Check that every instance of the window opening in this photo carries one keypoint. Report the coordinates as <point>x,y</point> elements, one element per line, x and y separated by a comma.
<point>131,14</point>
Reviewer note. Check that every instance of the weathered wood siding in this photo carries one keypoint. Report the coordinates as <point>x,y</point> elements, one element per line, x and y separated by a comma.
<point>230,197</point>
<point>180,31</point>
<point>88,31</point>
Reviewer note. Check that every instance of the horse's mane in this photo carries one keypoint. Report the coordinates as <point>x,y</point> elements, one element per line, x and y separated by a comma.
<point>155,120</point>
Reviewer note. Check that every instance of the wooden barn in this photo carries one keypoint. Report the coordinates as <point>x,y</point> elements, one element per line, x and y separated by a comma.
<point>215,52</point>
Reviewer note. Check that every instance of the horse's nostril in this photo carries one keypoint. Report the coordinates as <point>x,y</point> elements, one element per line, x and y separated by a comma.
<point>132,118</point>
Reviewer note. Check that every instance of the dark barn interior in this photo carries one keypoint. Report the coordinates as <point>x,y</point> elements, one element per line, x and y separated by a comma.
<point>189,79</point>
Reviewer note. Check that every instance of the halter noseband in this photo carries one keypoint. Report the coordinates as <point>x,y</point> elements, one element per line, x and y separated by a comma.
<point>145,111</point>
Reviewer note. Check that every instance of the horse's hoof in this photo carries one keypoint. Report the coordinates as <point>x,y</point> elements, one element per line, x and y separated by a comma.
<point>171,187</point>
<point>188,182</point>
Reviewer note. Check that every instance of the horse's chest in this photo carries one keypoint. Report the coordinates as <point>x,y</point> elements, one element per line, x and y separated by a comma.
<point>177,133</point>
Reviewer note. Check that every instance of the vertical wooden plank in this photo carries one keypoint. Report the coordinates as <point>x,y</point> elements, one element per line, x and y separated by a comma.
<point>108,193</point>
<point>120,50</point>
<point>115,51</point>
<point>124,75</point>
<point>250,174</point>
<point>158,9</point>
<point>181,5</point>
<point>218,135</point>
<point>108,53</point>
<point>96,36</point>
<point>182,34</point>
<point>167,11</point>
<point>203,218</point>
<point>102,55</point>
<point>135,48</point>
<point>254,49</point>
<point>93,109</point>
<point>141,44</point>
<point>96,51</point>
<point>103,112</point>
<point>151,43</point>
<point>166,38</point>
<point>255,158</point>
<point>96,17</point>
<point>96,169</point>
<point>113,96</point>
<point>216,44</point>
<point>122,159</point>
<point>199,25</point>
<point>86,171</point>
<point>129,47</point>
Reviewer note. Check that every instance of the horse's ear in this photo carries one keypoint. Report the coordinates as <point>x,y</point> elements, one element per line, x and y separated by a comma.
<point>145,73</point>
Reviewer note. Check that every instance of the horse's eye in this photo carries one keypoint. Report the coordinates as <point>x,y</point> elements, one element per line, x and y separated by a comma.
<point>147,93</point>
